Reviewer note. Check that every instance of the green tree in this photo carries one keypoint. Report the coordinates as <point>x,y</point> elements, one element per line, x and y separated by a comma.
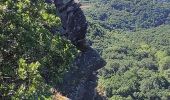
<point>32,59</point>
<point>164,63</point>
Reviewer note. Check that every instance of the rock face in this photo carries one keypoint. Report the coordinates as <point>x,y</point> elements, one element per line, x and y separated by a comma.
<point>73,22</point>
<point>80,82</point>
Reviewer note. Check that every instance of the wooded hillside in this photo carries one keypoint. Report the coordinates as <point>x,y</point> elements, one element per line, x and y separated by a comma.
<point>132,36</point>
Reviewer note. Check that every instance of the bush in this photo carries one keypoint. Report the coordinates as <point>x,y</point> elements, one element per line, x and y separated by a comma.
<point>32,59</point>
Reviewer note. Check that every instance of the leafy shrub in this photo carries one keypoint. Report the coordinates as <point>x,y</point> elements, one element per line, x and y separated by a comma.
<point>32,59</point>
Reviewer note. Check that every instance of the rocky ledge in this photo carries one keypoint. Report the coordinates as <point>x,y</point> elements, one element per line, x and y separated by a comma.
<point>80,82</point>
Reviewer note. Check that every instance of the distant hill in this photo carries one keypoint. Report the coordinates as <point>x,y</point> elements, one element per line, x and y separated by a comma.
<point>129,14</point>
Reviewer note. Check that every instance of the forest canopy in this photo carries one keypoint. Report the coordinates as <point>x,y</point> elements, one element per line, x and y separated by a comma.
<point>130,14</point>
<point>133,36</point>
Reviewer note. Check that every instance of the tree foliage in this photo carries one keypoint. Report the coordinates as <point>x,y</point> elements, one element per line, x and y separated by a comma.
<point>129,14</point>
<point>32,59</point>
<point>137,64</point>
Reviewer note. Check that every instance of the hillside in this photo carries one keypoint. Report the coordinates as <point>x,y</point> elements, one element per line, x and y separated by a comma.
<point>137,64</point>
<point>129,14</point>
<point>133,36</point>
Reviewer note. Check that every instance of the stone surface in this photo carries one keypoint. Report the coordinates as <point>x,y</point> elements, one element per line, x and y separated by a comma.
<point>80,82</point>
<point>73,22</point>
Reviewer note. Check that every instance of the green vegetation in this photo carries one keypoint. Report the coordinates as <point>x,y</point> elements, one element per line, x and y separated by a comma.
<point>129,14</point>
<point>138,64</point>
<point>133,36</point>
<point>32,60</point>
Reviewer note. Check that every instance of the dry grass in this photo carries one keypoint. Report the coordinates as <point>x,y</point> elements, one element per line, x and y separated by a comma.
<point>58,96</point>
<point>101,90</point>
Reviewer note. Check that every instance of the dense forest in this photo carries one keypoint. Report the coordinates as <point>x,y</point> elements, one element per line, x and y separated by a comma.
<point>137,64</point>
<point>130,14</point>
<point>133,36</point>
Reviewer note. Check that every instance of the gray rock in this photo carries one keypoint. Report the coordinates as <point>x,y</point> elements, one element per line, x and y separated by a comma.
<point>80,82</point>
<point>73,22</point>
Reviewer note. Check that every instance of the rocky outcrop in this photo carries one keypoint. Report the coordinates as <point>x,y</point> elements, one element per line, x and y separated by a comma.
<point>80,82</point>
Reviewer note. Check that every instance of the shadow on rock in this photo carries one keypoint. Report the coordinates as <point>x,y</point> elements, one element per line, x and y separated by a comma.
<point>80,82</point>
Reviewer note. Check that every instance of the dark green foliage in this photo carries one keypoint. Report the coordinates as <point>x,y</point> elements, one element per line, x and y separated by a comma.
<point>32,60</point>
<point>137,64</point>
<point>129,14</point>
